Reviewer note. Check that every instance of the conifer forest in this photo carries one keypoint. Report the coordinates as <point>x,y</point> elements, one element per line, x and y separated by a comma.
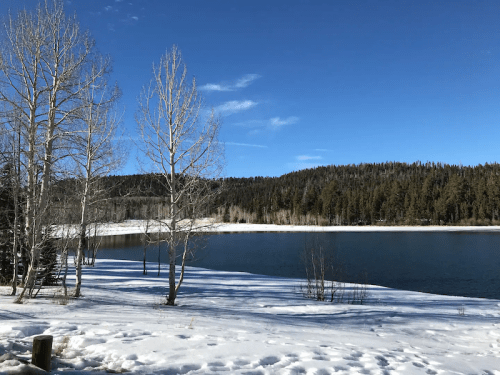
<point>389,193</point>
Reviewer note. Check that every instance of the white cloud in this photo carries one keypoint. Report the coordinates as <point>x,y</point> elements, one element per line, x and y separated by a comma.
<point>108,8</point>
<point>214,87</point>
<point>118,1</point>
<point>276,122</point>
<point>242,82</point>
<point>307,157</point>
<point>273,124</point>
<point>245,145</point>
<point>130,20</point>
<point>234,106</point>
<point>246,80</point>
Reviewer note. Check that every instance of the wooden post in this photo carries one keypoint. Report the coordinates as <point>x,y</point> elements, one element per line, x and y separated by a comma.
<point>42,352</point>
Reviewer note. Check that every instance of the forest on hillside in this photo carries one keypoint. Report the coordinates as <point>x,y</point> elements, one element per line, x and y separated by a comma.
<point>390,193</point>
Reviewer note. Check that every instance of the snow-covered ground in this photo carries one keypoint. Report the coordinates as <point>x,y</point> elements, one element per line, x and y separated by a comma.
<point>239,323</point>
<point>138,226</point>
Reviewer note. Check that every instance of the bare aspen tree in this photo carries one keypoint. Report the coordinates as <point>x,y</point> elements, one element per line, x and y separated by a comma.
<point>44,63</point>
<point>94,151</point>
<point>182,147</point>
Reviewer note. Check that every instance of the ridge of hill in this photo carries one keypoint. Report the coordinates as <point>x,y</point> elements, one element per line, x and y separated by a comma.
<point>390,193</point>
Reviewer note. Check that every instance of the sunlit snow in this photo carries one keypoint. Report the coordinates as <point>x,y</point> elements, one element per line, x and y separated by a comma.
<point>240,323</point>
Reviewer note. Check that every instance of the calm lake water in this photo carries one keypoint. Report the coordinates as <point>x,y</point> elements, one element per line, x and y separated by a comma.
<point>452,263</point>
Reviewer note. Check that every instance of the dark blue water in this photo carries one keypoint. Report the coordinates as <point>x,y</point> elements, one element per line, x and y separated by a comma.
<point>452,263</point>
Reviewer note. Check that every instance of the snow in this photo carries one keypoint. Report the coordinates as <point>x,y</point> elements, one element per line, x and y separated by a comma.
<point>240,323</point>
<point>208,225</point>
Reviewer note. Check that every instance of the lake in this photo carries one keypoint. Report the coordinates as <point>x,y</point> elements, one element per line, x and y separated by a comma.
<point>452,263</point>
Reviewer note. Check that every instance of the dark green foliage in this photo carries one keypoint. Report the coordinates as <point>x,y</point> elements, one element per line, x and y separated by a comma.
<point>6,220</point>
<point>386,193</point>
<point>48,262</point>
<point>365,194</point>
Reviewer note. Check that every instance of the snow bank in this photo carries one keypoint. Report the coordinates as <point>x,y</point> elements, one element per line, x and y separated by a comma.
<point>239,323</point>
<point>208,225</point>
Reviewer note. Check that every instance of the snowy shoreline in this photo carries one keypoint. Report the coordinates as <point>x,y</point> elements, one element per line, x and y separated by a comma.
<point>241,323</point>
<point>207,225</point>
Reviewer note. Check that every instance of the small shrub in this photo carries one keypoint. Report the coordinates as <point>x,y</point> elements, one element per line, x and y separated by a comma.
<point>324,278</point>
<point>461,310</point>
<point>61,299</point>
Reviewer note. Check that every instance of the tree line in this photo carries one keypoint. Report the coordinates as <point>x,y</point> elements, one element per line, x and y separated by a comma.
<point>390,193</point>
<point>368,194</point>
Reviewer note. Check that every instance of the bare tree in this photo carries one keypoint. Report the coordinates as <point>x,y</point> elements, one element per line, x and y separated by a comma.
<point>94,150</point>
<point>181,144</point>
<point>44,66</point>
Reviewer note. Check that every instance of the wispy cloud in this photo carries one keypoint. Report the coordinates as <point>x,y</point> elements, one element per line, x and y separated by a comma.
<point>246,80</point>
<point>108,8</point>
<point>234,106</point>
<point>307,157</point>
<point>277,122</point>
<point>130,20</point>
<point>215,87</point>
<point>322,150</point>
<point>240,83</point>
<point>272,124</point>
<point>245,145</point>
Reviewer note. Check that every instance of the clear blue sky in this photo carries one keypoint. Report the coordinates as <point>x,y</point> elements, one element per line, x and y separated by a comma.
<point>307,83</point>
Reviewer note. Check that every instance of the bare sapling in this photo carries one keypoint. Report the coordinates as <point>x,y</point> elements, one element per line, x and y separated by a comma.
<point>93,152</point>
<point>180,144</point>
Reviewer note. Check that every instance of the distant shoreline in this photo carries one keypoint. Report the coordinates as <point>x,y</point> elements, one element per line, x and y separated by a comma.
<point>206,225</point>
<point>228,228</point>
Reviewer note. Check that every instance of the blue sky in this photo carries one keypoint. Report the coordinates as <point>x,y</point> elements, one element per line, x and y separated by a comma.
<point>306,83</point>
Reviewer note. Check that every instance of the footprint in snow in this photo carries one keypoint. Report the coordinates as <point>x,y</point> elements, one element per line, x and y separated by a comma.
<point>354,356</point>
<point>216,364</point>
<point>292,357</point>
<point>181,370</point>
<point>241,363</point>
<point>217,367</point>
<point>268,361</point>
<point>297,371</point>
<point>320,358</point>
<point>382,361</point>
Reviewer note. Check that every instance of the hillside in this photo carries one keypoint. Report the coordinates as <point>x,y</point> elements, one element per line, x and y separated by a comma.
<point>365,194</point>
